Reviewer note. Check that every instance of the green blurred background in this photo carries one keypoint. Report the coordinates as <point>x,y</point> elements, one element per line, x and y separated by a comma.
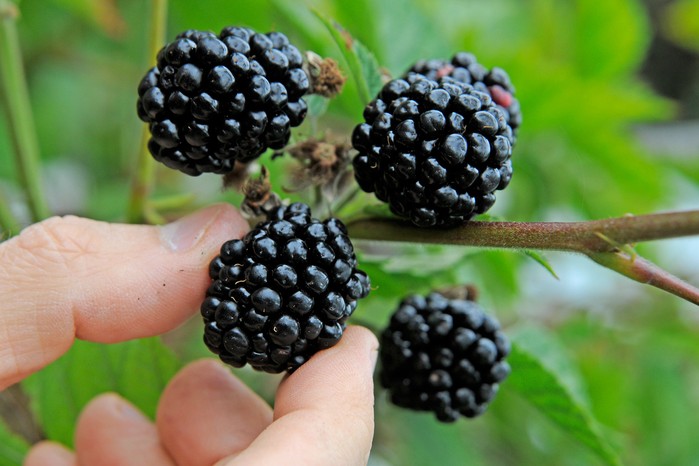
<point>610,97</point>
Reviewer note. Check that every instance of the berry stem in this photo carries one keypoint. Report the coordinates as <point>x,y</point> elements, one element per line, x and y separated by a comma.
<point>144,176</point>
<point>583,237</point>
<point>606,242</point>
<point>644,271</point>
<point>15,96</point>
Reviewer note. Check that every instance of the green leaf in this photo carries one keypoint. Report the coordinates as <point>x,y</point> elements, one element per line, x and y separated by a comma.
<point>12,447</point>
<point>361,62</point>
<point>317,105</point>
<point>553,351</point>
<point>611,37</point>
<point>542,260</point>
<point>370,68</point>
<point>544,390</point>
<point>681,22</point>
<point>138,370</point>
<point>101,13</point>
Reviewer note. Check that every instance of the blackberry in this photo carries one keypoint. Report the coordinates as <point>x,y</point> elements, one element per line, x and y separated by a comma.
<point>464,67</point>
<point>213,99</point>
<point>435,151</point>
<point>283,292</point>
<point>443,355</point>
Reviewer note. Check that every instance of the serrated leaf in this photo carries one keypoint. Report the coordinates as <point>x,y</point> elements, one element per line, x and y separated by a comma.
<point>370,68</point>
<point>317,105</point>
<point>553,353</point>
<point>138,370</point>
<point>12,447</point>
<point>543,389</point>
<point>541,260</point>
<point>361,62</point>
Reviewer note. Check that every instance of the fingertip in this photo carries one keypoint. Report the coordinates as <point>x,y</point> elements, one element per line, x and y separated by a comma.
<point>111,430</point>
<point>206,413</point>
<point>102,409</point>
<point>347,366</point>
<point>362,337</point>
<point>49,453</point>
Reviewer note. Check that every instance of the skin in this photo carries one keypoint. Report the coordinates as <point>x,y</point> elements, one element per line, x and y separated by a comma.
<point>57,280</point>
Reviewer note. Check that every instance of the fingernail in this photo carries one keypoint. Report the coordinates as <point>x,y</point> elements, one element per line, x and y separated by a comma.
<point>126,410</point>
<point>184,233</point>
<point>373,356</point>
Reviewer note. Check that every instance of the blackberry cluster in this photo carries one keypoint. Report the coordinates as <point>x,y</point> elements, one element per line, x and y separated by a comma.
<point>464,67</point>
<point>443,355</point>
<point>216,99</point>
<point>436,151</point>
<point>283,292</point>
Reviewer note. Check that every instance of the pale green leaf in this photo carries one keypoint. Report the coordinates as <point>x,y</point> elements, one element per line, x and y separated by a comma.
<point>138,370</point>
<point>543,389</point>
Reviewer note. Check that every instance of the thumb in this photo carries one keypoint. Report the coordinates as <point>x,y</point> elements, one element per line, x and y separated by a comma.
<point>70,277</point>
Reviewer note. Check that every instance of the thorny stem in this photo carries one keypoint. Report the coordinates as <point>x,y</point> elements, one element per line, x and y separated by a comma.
<point>644,271</point>
<point>584,237</point>
<point>15,95</point>
<point>142,183</point>
<point>603,241</point>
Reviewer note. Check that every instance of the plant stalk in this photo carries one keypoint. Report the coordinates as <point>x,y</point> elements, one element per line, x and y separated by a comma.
<point>144,176</point>
<point>15,96</point>
<point>583,237</point>
<point>606,242</point>
<point>644,271</point>
<point>8,223</point>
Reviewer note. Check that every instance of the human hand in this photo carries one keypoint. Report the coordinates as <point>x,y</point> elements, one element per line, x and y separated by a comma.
<point>58,281</point>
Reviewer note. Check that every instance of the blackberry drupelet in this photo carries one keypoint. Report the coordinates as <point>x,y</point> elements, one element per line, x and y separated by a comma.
<point>464,67</point>
<point>283,292</point>
<point>435,151</point>
<point>443,355</point>
<point>213,99</point>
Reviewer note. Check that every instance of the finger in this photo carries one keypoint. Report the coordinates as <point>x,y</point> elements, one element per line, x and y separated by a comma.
<point>113,432</point>
<point>49,454</point>
<point>69,276</point>
<point>323,411</point>
<point>206,413</point>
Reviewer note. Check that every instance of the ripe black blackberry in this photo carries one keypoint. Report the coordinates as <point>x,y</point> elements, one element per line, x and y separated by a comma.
<point>464,67</point>
<point>436,151</point>
<point>443,355</point>
<point>283,292</point>
<point>216,99</point>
